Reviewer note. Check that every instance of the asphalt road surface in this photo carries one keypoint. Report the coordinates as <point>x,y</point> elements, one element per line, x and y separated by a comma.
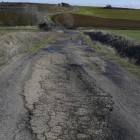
<point>67,91</point>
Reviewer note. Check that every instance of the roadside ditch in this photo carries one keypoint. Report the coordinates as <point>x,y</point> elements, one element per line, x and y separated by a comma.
<point>118,48</point>
<point>124,46</point>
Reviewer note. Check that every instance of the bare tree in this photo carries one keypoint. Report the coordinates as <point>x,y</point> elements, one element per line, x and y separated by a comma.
<point>67,20</point>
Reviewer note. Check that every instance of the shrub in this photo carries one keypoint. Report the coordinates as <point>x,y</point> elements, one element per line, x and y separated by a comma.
<point>108,6</point>
<point>67,20</point>
<point>41,25</point>
<point>65,4</point>
<point>44,27</point>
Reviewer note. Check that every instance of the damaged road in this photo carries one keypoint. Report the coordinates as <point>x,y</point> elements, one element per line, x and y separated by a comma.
<point>67,91</point>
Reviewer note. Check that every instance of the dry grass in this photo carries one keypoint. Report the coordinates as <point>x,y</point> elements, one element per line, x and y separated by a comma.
<point>19,42</point>
<point>4,31</point>
<point>125,46</point>
<point>128,64</point>
<point>111,53</point>
<point>20,27</point>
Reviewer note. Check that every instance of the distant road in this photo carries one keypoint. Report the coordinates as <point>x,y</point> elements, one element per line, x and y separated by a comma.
<point>73,8</point>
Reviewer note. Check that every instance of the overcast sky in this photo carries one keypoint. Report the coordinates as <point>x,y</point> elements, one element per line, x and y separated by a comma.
<point>117,3</point>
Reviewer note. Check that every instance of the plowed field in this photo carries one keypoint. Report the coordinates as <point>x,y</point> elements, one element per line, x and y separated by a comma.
<point>97,22</point>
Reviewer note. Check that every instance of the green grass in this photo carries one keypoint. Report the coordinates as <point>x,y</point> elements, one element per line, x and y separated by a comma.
<point>40,45</point>
<point>49,19</point>
<point>109,13</point>
<point>34,48</point>
<point>135,34</point>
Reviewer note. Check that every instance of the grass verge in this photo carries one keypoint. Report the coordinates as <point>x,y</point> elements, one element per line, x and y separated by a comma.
<point>23,42</point>
<point>124,62</point>
<point>111,54</point>
<point>48,18</point>
<point>37,47</point>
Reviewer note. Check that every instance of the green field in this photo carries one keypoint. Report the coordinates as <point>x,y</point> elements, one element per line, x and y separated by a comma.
<point>99,17</point>
<point>109,13</point>
<point>135,34</point>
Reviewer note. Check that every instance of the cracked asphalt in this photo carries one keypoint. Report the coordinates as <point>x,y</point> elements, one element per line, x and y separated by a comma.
<point>67,91</point>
